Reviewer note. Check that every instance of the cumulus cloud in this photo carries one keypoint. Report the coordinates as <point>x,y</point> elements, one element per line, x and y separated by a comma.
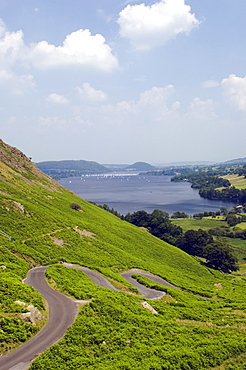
<point>157,96</point>
<point>12,46</point>
<point>209,84</point>
<point>152,106</point>
<point>57,99</point>
<point>154,25</point>
<point>202,109</point>
<point>235,91</point>
<point>80,48</point>
<point>89,94</point>
<point>17,85</point>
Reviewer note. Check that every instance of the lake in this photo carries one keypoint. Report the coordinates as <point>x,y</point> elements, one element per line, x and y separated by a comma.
<point>130,193</point>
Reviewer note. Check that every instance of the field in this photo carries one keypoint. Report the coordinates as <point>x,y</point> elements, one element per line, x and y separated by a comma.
<point>238,245</point>
<point>238,181</point>
<point>195,224</point>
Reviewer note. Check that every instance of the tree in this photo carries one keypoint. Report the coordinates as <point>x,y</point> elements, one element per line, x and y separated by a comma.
<point>232,219</point>
<point>139,218</point>
<point>75,206</point>
<point>220,257</point>
<point>193,242</point>
<point>224,211</point>
<point>179,214</point>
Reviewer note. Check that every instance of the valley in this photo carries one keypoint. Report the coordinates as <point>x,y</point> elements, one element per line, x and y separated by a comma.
<point>201,325</point>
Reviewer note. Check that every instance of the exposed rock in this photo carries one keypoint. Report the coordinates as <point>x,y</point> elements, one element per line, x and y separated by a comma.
<point>218,286</point>
<point>149,307</point>
<point>19,207</point>
<point>84,232</point>
<point>57,241</point>
<point>12,205</point>
<point>21,303</point>
<point>33,315</point>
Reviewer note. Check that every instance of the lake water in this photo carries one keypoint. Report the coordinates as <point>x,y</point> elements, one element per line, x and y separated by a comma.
<point>131,193</point>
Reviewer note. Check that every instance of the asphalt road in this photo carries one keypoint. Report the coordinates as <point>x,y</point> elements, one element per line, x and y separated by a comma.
<point>95,276</point>
<point>143,290</point>
<point>146,292</point>
<point>63,311</point>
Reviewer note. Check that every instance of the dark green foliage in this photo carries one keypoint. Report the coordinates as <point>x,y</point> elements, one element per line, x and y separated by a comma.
<point>157,223</point>
<point>220,257</point>
<point>193,242</point>
<point>201,180</point>
<point>75,206</point>
<point>232,220</point>
<point>179,214</point>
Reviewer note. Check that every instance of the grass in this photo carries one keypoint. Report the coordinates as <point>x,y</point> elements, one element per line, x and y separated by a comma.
<point>242,225</point>
<point>238,181</point>
<point>197,327</point>
<point>238,245</point>
<point>205,223</point>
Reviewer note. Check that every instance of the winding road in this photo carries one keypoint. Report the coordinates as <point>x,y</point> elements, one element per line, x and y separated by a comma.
<point>63,311</point>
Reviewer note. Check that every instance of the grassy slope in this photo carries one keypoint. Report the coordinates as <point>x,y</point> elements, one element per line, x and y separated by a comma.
<point>238,181</point>
<point>44,232</point>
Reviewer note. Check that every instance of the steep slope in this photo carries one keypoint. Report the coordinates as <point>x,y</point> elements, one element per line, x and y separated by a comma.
<point>45,230</point>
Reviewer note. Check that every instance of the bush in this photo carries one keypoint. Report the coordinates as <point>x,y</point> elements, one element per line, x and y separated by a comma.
<point>75,206</point>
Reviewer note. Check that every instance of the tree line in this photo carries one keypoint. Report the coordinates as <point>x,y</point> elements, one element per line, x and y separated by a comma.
<point>212,186</point>
<point>196,243</point>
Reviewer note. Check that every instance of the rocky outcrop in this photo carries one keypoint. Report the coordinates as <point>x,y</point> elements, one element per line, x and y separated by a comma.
<point>33,315</point>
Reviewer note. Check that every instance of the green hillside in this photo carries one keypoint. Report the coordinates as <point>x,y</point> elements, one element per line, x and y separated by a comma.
<point>198,327</point>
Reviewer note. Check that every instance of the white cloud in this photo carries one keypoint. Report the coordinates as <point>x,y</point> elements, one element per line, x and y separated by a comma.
<point>12,46</point>
<point>235,91</point>
<point>79,48</point>
<point>57,99</point>
<point>17,85</point>
<point>157,96</point>
<point>152,106</point>
<point>209,84</point>
<point>154,25</point>
<point>90,94</point>
<point>201,109</point>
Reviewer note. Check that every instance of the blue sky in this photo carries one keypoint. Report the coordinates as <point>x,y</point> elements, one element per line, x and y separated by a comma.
<point>124,81</point>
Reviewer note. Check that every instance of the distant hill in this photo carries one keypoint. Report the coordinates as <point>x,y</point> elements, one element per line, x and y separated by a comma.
<point>69,168</point>
<point>237,161</point>
<point>140,166</point>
